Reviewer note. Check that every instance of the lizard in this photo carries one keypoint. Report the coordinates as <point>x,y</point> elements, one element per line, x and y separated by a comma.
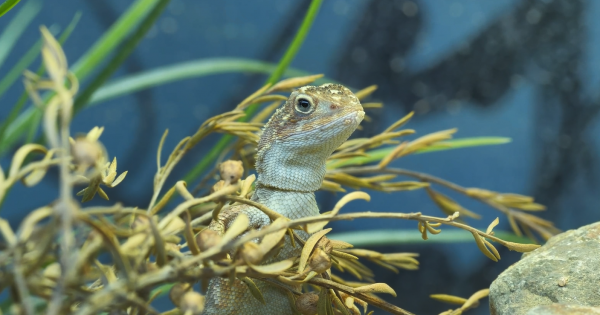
<point>290,163</point>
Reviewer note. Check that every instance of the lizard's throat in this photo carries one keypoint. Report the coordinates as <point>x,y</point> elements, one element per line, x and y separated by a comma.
<point>289,168</point>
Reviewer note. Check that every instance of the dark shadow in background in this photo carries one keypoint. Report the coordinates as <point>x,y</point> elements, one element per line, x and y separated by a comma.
<point>541,41</point>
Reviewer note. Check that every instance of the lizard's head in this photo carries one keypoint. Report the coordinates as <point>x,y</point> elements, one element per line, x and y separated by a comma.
<point>303,133</point>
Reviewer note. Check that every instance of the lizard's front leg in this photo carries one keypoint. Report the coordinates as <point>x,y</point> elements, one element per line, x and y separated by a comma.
<point>234,297</point>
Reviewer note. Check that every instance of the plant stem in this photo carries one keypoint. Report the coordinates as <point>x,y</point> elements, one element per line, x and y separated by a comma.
<point>17,70</point>
<point>370,238</point>
<point>120,56</point>
<point>284,63</point>
<point>86,64</point>
<point>184,70</point>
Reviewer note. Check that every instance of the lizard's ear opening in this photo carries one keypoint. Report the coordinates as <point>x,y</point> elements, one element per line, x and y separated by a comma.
<point>304,104</point>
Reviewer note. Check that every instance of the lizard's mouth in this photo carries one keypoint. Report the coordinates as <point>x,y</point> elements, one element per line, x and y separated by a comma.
<point>350,121</point>
<point>341,125</point>
<point>359,117</point>
<point>353,118</point>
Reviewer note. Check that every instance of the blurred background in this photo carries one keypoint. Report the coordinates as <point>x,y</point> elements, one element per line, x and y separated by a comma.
<point>528,70</point>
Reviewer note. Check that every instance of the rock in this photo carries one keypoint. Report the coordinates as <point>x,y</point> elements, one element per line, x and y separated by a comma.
<point>561,309</point>
<point>566,270</point>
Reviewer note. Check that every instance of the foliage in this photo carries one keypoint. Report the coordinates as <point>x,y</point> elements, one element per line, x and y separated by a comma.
<point>149,247</point>
<point>7,6</point>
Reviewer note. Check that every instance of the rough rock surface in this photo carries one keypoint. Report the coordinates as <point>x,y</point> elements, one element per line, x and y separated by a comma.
<point>566,271</point>
<point>561,309</point>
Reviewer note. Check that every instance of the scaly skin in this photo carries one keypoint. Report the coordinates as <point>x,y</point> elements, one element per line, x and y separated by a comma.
<point>292,152</point>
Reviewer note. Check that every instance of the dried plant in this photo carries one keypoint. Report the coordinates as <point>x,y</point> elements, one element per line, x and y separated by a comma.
<point>153,254</point>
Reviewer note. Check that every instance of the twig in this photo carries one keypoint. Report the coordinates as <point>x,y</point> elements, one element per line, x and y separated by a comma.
<point>273,215</point>
<point>399,171</point>
<point>365,297</point>
<point>22,285</point>
<point>518,215</point>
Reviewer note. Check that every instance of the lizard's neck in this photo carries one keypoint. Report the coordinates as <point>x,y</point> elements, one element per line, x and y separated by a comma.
<point>295,165</point>
<point>292,204</point>
<point>289,172</point>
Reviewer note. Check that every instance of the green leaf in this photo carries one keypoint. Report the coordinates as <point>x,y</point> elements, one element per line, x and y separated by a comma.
<point>412,236</point>
<point>377,155</point>
<point>5,305</point>
<point>16,72</point>
<point>17,25</point>
<point>121,55</point>
<point>27,122</point>
<point>284,63</point>
<point>162,290</point>
<point>92,59</point>
<point>115,35</point>
<point>465,143</point>
<point>186,70</point>
<point>7,5</point>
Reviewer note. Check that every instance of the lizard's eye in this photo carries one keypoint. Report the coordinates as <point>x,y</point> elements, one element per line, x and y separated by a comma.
<point>303,105</point>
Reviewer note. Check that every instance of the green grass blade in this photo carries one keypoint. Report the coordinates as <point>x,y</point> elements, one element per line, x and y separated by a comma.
<point>379,154</point>
<point>292,50</point>
<point>120,56</point>
<point>283,64</point>
<point>7,5</point>
<point>186,70</point>
<point>17,107</point>
<point>17,70</point>
<point>112,38</point>
<point>413,236</point>
<point>104,46</point>
<point>17,26</point>
<point>465,143</point>
<point>4,145</point>
<point>17,128</point>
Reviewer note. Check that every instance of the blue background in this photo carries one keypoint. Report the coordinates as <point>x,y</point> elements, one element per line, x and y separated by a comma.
<point>193,30</point>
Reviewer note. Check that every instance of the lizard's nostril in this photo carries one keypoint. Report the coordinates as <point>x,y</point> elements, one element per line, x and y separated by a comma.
<point>333,106</point>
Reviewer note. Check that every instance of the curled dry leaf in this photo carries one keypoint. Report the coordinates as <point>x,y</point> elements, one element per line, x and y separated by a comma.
<point>492,226</point>
<point>274,268</point>
<point>308,248</point>
<point>253,289</point>
<point>376,288</point>
<point>449,206</point>
<point>54,58</point>
<point>451,299</point>
<point>521,248</point>
<point>34,177</point>
<point>362,94</point>
<point>239,225</point>
<point>471,302</point>
<point>291,83</point>
<point>482,247</point>
<point>21,154</point>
